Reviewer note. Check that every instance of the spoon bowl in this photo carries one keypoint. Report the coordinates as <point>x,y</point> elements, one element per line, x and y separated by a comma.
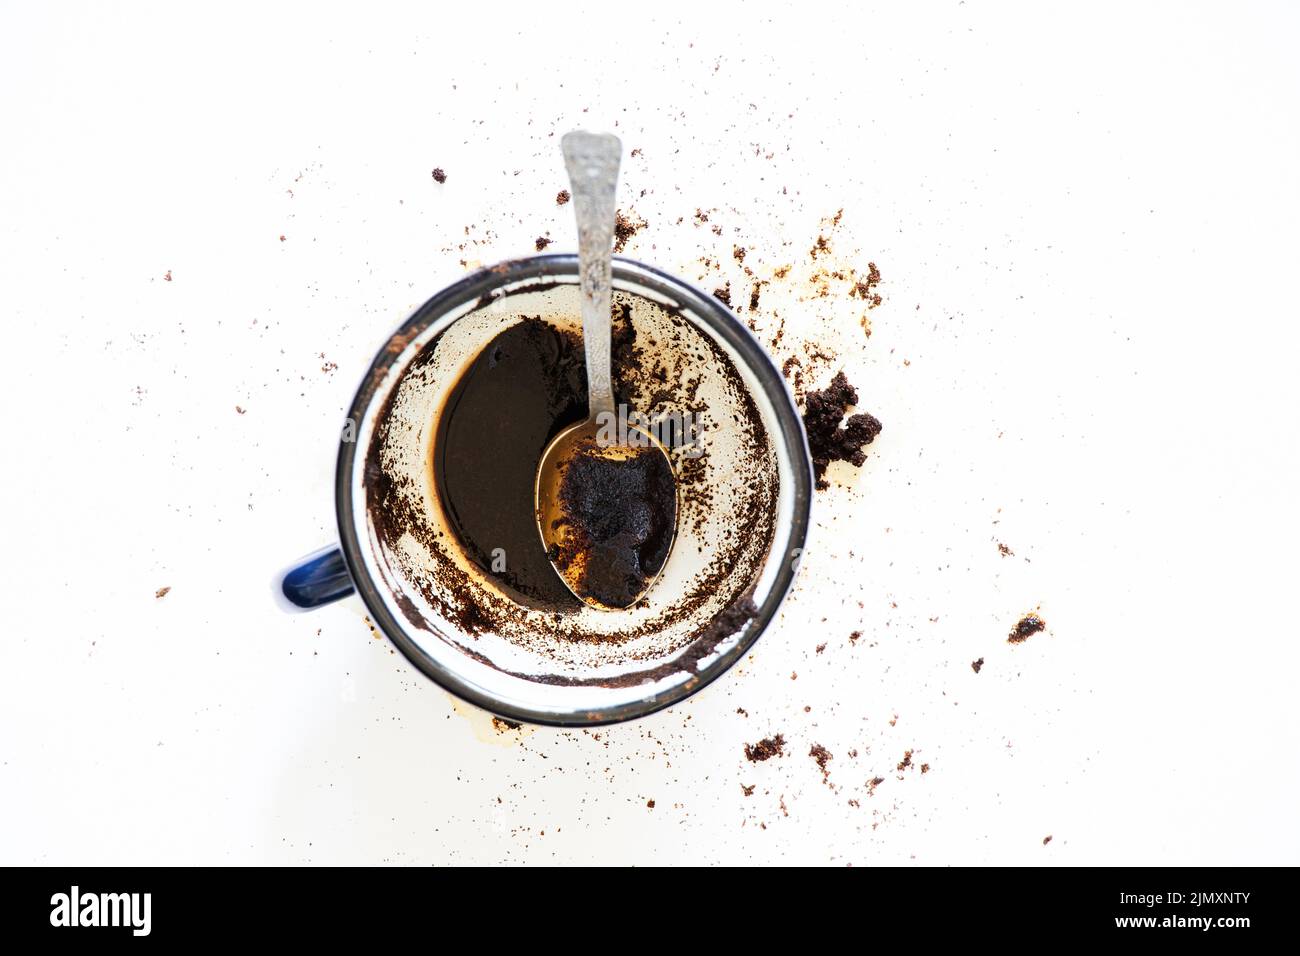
<point>607,512</point>
<point>606,502</point>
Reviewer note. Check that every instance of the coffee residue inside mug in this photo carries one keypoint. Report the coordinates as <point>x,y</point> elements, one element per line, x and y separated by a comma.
<point>450,480</point>
<point>523,388</point>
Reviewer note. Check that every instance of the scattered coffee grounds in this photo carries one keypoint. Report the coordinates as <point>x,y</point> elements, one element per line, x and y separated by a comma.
<point>748,790</point>
<point>439,176</point>
<point>538,374</point>
<point>501,724</point>
<point>562,197</point>
<point>855,637</point>
<point>1004,550</point>
<point>1047,839</point>
<point>619,506</point>
<point>723,294</point>
<point>872,784</point>
<point>161,592</point>
<point>906,761</point>
<point>823,757</point>
<point>976,665</point>
<point>625,227</point>
<point>827,440</point>
<point>1025,628</point>
<point>865,289</point>
<point>792,369</point>
<point>765,749</point>
<point>925,768</point>
<point>650,804</point>
<point>542,242</point>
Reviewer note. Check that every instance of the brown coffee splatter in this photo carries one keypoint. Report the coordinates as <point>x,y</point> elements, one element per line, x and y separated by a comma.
<point>823,758</point>
<point>625,227</point>
<point>976,665</point>
<point>439,176</point>
<point>865,289</point>
<point>562,197</point>
<point>1025,628</point>
<point>162,592</point>
<point>765,749</point>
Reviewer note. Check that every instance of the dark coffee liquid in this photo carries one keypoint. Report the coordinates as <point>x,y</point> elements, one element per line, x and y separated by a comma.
<point>527,385</point>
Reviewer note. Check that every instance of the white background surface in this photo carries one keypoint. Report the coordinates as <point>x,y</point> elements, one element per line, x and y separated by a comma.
<point>1085,221</point>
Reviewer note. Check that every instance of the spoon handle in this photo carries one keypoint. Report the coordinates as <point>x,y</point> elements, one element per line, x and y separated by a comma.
<point>592,162</point>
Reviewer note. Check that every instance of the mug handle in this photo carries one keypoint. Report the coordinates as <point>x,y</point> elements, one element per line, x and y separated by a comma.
<point>318,579</point>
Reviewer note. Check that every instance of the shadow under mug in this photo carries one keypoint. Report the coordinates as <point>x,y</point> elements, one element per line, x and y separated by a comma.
<point>336,572</point>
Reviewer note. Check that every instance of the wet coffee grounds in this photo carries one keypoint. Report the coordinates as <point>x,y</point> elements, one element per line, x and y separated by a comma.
<point>823,758</point>
<point>765,749</point>
<point>1025,628</point>
<point>625,227</point>
<point>620,512</point>
<point>828,439</point>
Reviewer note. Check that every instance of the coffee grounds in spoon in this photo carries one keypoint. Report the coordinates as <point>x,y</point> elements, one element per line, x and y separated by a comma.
<point>618,506</point>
